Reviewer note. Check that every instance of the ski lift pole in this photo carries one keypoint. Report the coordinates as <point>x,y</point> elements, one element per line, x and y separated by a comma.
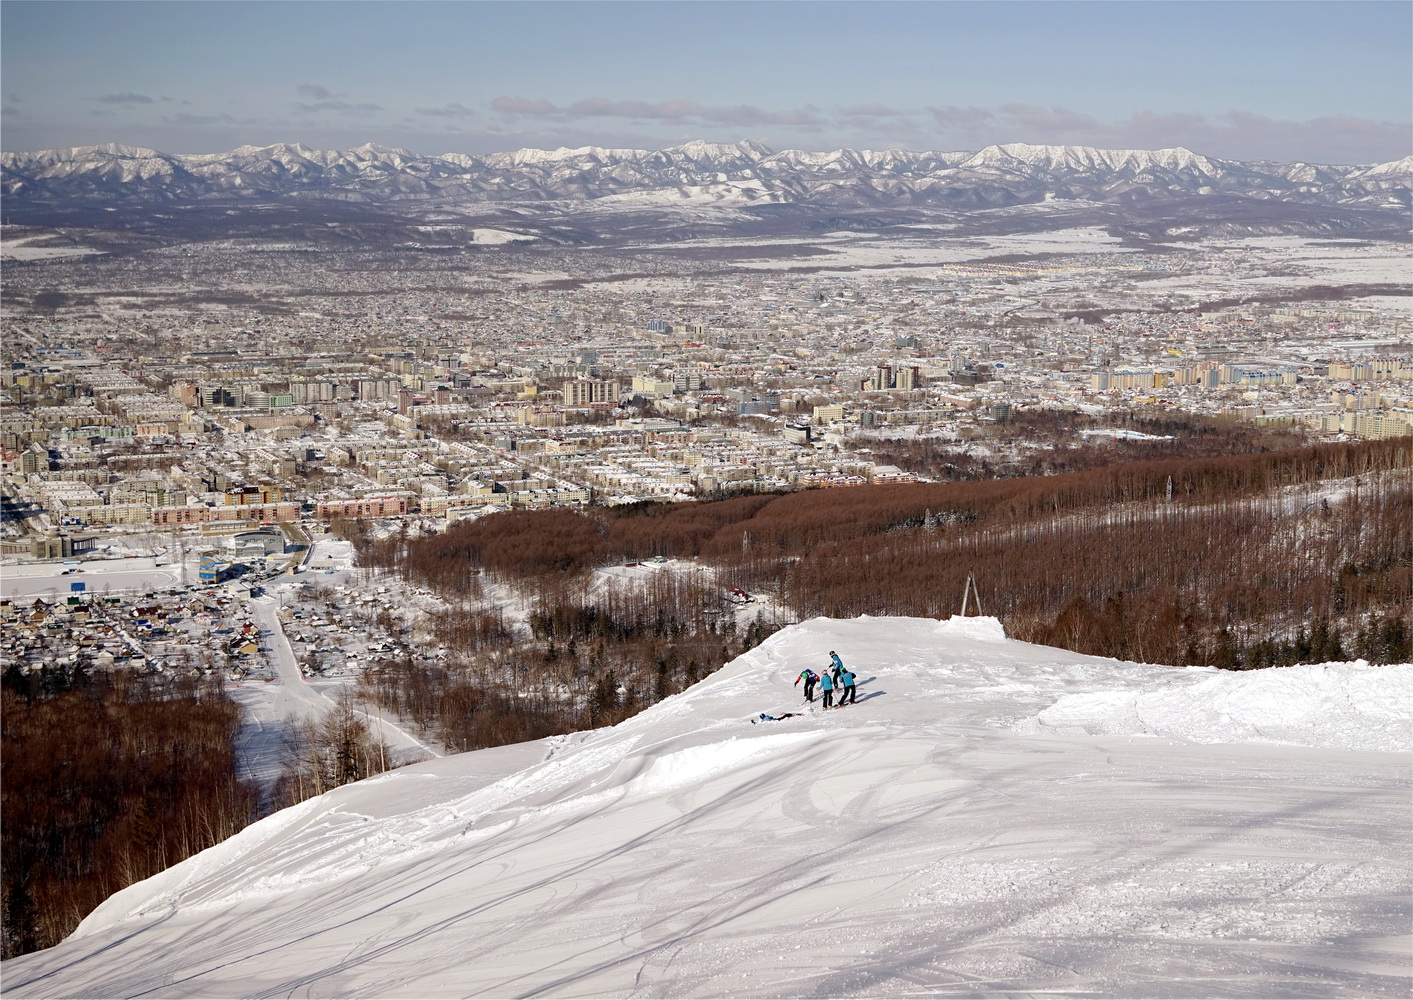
<point>968,591</point>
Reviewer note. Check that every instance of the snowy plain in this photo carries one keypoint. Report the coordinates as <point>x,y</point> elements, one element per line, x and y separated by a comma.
<point>847,252</point>
<point>993,818</point>
<point>23,250</point>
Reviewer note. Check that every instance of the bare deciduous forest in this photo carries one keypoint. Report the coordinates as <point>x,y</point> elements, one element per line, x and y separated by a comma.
<point>1238,561</point>
<point>593,656</point>
<point>1058,443</point>
<point>321,755</point>
<point>109,779</point>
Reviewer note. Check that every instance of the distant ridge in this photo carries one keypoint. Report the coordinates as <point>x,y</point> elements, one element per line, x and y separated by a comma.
<point>739,172</point>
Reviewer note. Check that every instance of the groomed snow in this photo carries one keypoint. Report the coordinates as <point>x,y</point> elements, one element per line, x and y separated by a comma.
<point>992,818</point>
<point>21,250</point>
<point>496,237</point>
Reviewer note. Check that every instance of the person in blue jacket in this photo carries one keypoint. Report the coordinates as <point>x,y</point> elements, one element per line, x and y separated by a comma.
<point>826,687</point>
<point>836,666</point>
<point>767,717</point>
<point>850,695</point>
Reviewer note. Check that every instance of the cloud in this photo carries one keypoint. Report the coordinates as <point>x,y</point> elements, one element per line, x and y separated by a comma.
<point>602,107</point>
<point>804,119</point>
<point>342,107</point>
<point>869,111</point>
<point>453,110</point>
<point>1245,135</point>
<point>744,115</point>
<point>1051,121</point>
<point>182,118</point>
<point>1239,135</point>
<point>523,106</point>
<point>953,117</point>
<point>326,100</point>
<point>124,99</point>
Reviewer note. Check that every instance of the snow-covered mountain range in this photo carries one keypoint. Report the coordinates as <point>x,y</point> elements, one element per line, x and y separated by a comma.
<point>738,173</point>
<point>992,818</point>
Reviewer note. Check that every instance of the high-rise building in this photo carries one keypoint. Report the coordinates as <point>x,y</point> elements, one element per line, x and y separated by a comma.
<point>582,392</point>
<point>316,391</point>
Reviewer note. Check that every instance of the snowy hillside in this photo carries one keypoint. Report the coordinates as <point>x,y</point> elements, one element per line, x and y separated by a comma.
<point>991,818</point>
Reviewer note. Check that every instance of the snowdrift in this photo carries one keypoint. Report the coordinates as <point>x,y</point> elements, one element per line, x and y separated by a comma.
<point>991,817</point>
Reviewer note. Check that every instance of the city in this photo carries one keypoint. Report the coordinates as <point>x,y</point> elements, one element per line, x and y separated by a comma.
<point>140,433</point>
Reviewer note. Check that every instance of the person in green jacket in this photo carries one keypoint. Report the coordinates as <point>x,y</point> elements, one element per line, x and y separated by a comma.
<point>811,679</point>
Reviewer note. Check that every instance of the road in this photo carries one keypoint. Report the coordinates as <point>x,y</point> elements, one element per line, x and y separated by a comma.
<point>271,706</point>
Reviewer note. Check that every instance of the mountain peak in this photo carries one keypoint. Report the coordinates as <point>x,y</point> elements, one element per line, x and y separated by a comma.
<point>374,149</point>
<point>701,150</point>
<point>111,149</point>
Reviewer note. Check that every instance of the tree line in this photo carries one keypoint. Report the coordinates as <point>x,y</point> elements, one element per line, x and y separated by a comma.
<point>318,755</point>
<point>528,546</point>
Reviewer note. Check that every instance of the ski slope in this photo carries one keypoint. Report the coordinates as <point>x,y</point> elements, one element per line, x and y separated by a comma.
<point>992,818</point>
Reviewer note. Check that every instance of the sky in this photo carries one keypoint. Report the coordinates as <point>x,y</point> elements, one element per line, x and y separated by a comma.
<point>1315,81</point>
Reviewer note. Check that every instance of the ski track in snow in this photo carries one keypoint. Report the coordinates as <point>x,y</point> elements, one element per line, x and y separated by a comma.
<point>992,818</point>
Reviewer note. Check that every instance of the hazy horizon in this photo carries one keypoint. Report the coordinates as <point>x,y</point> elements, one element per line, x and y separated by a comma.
<point>1233,80</point>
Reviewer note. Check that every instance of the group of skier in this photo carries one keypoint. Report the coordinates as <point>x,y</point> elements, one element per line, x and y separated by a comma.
<point>835,677</point>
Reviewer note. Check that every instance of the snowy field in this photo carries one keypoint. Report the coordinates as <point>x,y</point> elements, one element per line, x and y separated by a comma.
<point>22,250</point>
<point>849,251</point>
<point>49,581</point>
<point>991,819</point>
<point>1232,266</point>
<point>495,237</point>
<point>1294,262</point>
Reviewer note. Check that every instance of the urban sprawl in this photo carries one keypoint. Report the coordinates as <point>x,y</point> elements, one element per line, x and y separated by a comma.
<point>226,438</point>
